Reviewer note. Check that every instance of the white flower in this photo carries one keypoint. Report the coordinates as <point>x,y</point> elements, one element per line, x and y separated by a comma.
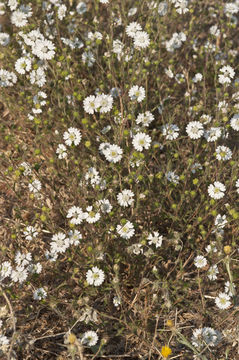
<point>145,118</point>
<point>220,221</point>
<point>125,198</point>
<point>113,153</point>
<point>126,231</point>
<point>216,190</point>
<point>12,4</point>
<point>214,30</point>
<point>51,256</point>
<point>35,186</point>
<point>213,134</point>
<point>3,341</point>
<point>91,216</point>
<point>205,336</point>
<point>59,243</point>
<point>104,1</point>
<point>90,104</point>
<point>105,205</point>
<point>118,47</point>
<point>23,65</point>
<point>132,11</point>
<point>141,40</point>
<point>175,42</point>
<point>200,261</point>
<point>5,270</point>
<point>72,136</point>
<point>30,233</point>
<point>76,215</point>
<point>19,275</point>
<point>212,272</point>
<point>116,301</point>
<point>181,6</point>
<point>163,8</point>
<point>230,9</point>
<point>141,141</point>
<point>237,185</point>
<point>36,111</point>
<point>38,77</point>
<point>172,177</point>
<point>104,103</point>
<point>194,129</point>
<point>19,18</point>
<point>170,131</point>
<point>81,7</point>
<point>180,78</point>
<point>136,249</point>
<point>223,106</point>
<point>223,153</point>
<point>7,78</point>
<point>89,338</point>
<point>44,49</point>
<point>31,117</point>
<point>197,78</point>
<point>103,147</point>
<point>155,239</point>
<point>27,168</point>
<point>132,29</point>
<point>234,122</point>
<point>4,38</point>
<point>223,301</point>
<point>169,73</point>
<point>227,75</point>
<point>211,247</point>
<point>61,151</point>
<point>23,259</point>
<point>95,276</point>
<point>88,58</point>
<point>94,36</point>
<point>26,9</point>
<point>205,119</point>
<point>229,288</point>
<point>196,166</point>
<point>32,37</point>
<point>61,13</point>
<point>92,175</point>
<point>137,93</point>
<point>39,294</point>
<point>35,268</point>
<point>74,237</point>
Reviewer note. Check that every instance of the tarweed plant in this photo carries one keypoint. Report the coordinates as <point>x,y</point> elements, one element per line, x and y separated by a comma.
<point>119,179</point>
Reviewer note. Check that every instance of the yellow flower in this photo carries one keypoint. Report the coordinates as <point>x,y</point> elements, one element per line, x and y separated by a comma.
<point>166,351</point>
<point>227,249</point>
<point>71,338</point>
<point>169,323</point>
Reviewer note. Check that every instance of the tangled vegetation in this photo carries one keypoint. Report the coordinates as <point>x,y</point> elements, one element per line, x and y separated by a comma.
<point>119,179</point>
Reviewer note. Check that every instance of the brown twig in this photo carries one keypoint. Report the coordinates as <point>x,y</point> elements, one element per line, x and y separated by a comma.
<point>47,337</point>
<point>13,322</point>
<point>155,335</point>
<point>200,290</point>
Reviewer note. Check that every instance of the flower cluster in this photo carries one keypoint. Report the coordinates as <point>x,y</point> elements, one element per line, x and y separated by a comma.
<point>101,103</point>
<point>141,38</point>
<point>175,42</point>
